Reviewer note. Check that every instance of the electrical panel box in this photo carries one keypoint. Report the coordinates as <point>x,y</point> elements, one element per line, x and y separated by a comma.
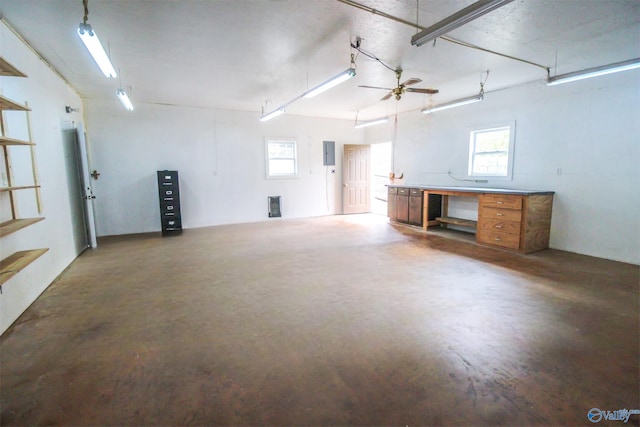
<point>329,153</point>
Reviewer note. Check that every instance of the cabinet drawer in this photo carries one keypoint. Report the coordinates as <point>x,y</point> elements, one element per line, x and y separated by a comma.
<point>500,213</point>
<point>415,192</point>
<point>403,191</point>
<point>511,227</point>
<point>497,238</point>
<point>501,201</point>
<point>393,190</point>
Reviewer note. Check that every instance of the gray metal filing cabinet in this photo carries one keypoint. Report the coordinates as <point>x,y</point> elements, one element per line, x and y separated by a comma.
<point>169,193</point>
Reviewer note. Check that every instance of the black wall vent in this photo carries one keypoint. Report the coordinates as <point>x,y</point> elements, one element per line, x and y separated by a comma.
<point>274,207</point>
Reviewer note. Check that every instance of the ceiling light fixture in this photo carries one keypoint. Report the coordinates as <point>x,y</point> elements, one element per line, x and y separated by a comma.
<point>271,115</point>
<point>124,99</point>
<point>617,67</point>
<point>93,45</point>
<point>457,20</point>
<point>371,123</point>
<point>457,103</point>
<point>332,82</point>
<point>90,40</point>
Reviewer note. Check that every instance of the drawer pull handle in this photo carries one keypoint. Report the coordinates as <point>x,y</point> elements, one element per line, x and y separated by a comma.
<point>498,226</point>
<point>499,202</point>
<point>498,239</point>
<point>499,214</point>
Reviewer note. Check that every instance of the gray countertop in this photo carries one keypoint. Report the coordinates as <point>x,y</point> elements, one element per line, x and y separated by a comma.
<point>480,190</point>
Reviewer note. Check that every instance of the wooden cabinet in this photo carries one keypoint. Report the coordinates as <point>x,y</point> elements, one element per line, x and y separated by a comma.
<point>405,205</point>
<point>516,222</point>
<point>512,219</point>
<point>402,205</point>
<point>493,228</point>
<point>415,206</point>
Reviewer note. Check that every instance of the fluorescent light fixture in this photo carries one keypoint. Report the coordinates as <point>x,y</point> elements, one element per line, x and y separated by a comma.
<point>334,81</point>
<point>456,20</point>
<point>124,99</point>
<point>453,104</point>
<point>594,72</point>
<point>371,123</point>
<point>90,40</point>
<point>271,115</point>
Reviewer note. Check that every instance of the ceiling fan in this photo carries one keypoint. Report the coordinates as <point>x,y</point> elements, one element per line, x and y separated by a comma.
<point>402,87</point>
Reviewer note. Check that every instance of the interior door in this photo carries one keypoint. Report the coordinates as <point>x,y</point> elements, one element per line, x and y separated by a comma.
<point>356,193</point>
<point>86,183</point>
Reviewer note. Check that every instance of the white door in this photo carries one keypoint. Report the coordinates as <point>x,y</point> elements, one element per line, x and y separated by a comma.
<point>356,193</point>
<point>86,182</point>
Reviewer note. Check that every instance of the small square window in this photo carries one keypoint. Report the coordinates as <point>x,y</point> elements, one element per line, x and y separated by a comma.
<point>281,159</point>
<point>491,152</point>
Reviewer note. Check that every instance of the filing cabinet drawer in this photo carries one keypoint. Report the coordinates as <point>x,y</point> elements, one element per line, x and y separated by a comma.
<point>415,192</point>
<point>500,213</point>
<point>393,190</point>
<point>504,201</point>
<point>403,191</point>
<point>172,224</point>
<point>497,238</point>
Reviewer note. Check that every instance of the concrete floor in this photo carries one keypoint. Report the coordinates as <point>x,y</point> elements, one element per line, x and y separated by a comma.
<point>343,320</point>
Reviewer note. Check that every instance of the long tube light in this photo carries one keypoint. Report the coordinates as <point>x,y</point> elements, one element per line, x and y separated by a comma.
<point>271,115</point>
<point>456,20</point>
<point>456,103</point>
<point>334,81</point>
<point>91,41</point>
<point>371,123</point>
<point>594,72</point>
<point>124,99</point>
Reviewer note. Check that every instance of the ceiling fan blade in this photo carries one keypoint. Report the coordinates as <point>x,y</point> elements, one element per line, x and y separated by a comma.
<point>419,90</point>
<point>410,82</point>
<point>387,96</point>
<point>375,87</point>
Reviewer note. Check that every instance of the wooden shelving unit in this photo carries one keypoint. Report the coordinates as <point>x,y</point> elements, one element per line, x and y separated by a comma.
<point>13,264</point>
<point>14,225</point>
<point>7,69</point>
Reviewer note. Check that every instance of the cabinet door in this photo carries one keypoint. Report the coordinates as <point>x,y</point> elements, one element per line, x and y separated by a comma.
<point>392,205</point>
<point>402,210</point>
<point>415,210</point>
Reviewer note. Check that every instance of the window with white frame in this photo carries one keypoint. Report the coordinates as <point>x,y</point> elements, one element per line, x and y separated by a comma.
<point>281,159</point>
<point>491,151</point>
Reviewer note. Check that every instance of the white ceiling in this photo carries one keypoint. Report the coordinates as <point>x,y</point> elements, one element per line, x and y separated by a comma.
<point>238,54</point>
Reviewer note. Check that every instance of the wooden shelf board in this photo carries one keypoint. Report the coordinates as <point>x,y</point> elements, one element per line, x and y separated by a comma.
<point>7,104</point>
<point>15,263</point>
<point>22,187</point>
<point>4,140</point>
<point>7,69</point>
<point>14,225</point>
<point>457,221</point>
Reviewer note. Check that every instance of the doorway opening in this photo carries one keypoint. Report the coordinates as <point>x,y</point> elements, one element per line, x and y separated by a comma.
<point>381,165</point>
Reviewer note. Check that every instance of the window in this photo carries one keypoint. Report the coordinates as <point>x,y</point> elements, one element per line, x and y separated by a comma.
<point>281,159</point>
<point>491,151</point>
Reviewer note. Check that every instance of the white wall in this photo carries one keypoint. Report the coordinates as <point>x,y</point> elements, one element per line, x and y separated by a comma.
<point>590,129</point>
<point>220,156</point>
<point>47,95</point>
